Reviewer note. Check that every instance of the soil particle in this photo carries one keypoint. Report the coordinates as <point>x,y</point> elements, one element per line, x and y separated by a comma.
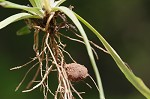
<point>76,72</point>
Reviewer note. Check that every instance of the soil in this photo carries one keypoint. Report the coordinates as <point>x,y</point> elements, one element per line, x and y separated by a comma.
<point>76,72</point>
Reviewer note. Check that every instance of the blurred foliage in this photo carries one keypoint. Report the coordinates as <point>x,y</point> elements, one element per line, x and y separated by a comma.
<point>124,24</point>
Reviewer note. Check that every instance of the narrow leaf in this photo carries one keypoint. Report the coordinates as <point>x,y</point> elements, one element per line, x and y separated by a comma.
<point>23,31</point>
<point>33,3</point>
<point>36,3</point>
<point>39,3</point>
<point>2,0</point>
<point>33,10</point>
<point>136,81</point>
<point>58,3</point>
<point>71,15</point>
<point>16,17</point>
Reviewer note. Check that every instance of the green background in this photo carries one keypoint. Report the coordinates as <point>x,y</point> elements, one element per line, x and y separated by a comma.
<point>125,24</point>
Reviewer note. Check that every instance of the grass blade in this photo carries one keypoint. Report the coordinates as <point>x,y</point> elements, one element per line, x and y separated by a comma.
<point>58,3</point>
<point>23,31</point>
<point>32,3</point>
<point>33,10</point>
<point>71,15</point>
<point>36,3</point>
<point>16,17</point>
<point>136,81</point>
<point>2,0</point>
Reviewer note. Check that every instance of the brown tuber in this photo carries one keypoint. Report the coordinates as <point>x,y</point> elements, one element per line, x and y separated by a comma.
<point>76,72</point>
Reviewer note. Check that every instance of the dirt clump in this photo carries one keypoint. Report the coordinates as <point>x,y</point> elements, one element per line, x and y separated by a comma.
<point>76,72</point>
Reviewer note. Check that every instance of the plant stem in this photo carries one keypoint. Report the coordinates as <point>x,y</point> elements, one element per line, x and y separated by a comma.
<point>72,16</point>
<point>47,6</point>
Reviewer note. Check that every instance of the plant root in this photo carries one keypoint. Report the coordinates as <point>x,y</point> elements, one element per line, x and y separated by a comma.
<point>50,56</point>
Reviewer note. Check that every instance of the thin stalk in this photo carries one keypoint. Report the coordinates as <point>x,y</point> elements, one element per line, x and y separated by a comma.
<point>47,5</point>
<point>136,81</point>
<point>71,15</point>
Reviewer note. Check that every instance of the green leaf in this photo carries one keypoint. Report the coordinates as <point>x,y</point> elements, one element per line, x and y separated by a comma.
<point>33,10</point>
<point>16,17</point>
<point>2,0</point>
<point>23,31</point>
<point>36,3</point>
<point>71,15</point>
<point>136,81</point>
<point>58,3</point>
<point>33,3</point>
